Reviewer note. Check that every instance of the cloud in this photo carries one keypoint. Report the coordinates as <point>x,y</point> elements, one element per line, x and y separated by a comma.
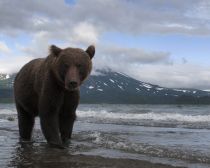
<point>85,33</point>
<point>134,55</point>
<point>13,64</point>
<point>132,17</point>
<point>23,16</point>
<point>137,17</point>
<point>4,49</point>
<point>166,75</point>
<point>177,75</point>
<point>120,58</point>
<point>184,60</point>
<point>82,35</point>
<point>38,46</point>
<point>201,10</point>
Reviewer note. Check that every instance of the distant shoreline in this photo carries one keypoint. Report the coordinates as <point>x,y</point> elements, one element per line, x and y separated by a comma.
<point>116,88</point>
<point>11,101</point>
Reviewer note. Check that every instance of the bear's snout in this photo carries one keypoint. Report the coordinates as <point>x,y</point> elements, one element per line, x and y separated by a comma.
<point>72,84</point>
<point>72,81</point>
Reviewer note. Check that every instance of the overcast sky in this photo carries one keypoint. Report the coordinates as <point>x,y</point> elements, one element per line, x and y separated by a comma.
<point>157,41</point>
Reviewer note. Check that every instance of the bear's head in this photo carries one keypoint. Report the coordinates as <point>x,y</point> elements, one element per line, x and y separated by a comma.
<point>71,66</point>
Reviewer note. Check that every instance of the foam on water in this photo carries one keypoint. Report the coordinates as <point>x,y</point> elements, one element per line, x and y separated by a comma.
<point>145,116</point>
<point>3,120</point>
<point>8,111</point>
<point>118,143</point>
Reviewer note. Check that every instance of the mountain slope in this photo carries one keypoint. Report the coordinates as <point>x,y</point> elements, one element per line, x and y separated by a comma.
<point>6,80</point>
<point>114,87</point>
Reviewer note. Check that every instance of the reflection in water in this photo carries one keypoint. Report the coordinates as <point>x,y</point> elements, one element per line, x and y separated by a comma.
<point>39,155</point>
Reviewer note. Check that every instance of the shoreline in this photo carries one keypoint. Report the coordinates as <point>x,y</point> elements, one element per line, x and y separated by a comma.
<point>89,161</point>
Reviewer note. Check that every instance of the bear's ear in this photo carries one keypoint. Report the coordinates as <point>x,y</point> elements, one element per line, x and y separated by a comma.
<point>91,51</point>
<point>54,50</point>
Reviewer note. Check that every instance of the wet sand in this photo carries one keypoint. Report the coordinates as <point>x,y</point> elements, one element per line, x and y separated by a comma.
<point>81,161</point>
<point>30,157</point>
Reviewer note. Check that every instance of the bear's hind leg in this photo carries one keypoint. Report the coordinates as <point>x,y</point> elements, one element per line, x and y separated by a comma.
<point>25,123</point>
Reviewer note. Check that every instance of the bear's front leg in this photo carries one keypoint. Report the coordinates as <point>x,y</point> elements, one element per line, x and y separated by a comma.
<point>68,115</point>
<point>50,129</point>
<point>49,107</point>
<point>66,126</point>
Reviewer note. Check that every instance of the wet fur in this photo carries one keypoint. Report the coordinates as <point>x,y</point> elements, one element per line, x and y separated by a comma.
<point>40,90</point>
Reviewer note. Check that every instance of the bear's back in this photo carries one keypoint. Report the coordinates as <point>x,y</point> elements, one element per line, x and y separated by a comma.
<point>27,73</point>
<point>26,81</point>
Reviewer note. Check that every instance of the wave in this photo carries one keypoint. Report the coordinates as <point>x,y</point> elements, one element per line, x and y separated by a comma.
<point>104,114</point>
<point>8,111</point>
<point>3,120</point>
<point>179,152</point>
<point>146,116</point>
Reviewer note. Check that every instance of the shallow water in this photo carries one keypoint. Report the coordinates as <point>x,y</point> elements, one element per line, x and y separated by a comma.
<point>169,134</point>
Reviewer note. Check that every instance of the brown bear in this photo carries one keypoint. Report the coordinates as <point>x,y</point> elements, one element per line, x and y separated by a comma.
<point>49,88</point>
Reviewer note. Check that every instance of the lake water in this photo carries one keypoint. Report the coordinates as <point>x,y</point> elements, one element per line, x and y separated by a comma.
<point>168,134</point>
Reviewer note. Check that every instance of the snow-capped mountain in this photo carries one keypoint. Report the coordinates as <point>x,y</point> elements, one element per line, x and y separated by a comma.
<point>6,80</point>
<point>4,76</point>
<point>115,87</point>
